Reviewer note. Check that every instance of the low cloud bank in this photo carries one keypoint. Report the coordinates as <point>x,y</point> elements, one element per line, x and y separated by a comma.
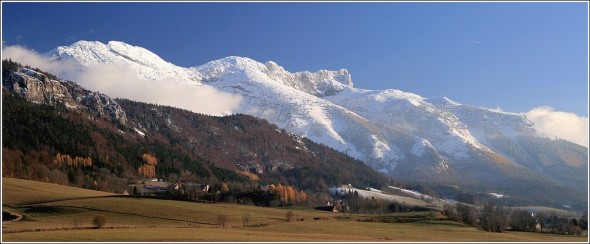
<point>116,81</point>
<point>564,125</point>
<point>29,57</point>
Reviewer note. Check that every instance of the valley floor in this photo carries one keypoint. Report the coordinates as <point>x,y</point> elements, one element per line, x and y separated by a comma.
<point>57,213</point>
<point>326,231</point>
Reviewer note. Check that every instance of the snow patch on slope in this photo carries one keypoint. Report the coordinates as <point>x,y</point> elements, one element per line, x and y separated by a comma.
<point>420,147</point>
<point>414,193</point>
<point>376,194</point>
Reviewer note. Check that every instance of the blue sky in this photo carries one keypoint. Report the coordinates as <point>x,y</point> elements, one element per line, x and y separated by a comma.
<point>516,56</point>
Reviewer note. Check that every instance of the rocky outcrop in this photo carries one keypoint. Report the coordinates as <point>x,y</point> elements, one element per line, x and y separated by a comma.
<point>37,88</point>
<point>41,88</point>
<point>104,106</point>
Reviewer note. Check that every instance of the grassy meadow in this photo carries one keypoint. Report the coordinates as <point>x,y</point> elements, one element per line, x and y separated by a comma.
<point>58,213</point>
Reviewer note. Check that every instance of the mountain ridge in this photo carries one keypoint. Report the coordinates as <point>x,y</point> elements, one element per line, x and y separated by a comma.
<point>391,130</point>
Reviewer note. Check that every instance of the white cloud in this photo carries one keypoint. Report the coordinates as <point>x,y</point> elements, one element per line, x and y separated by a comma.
<point>115,81</point>
<point>564,125</point>
<point>28,57</point>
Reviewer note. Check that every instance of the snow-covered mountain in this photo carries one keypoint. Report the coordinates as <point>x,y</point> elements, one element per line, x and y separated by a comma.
<point>395,132</point>
<point>140,61</point>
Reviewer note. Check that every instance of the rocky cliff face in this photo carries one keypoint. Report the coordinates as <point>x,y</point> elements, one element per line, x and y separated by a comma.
<point>104,106</point>
<point>41,88</point>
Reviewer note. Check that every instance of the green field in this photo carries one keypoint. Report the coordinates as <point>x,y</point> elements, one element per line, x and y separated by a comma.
<point>58,213</point>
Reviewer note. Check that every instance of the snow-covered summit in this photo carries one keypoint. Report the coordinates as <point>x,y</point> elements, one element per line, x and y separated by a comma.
<point>320,83</point>
<point>141,62</point>
<point>91,52</point>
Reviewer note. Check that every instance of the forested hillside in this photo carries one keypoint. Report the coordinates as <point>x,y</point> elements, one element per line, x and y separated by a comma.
<point>245,143</point>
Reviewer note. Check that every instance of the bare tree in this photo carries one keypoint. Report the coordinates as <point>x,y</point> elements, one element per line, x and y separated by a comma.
<point>99,221</point>
<point>520,219</point>
<point>246,220</point>
<point>487,217</point>
<point>541,220</point>
<point>493,218</point>
<point>501,219</point>
<point>221,220</point>
<point>466,213</point>
<point>450,212</point>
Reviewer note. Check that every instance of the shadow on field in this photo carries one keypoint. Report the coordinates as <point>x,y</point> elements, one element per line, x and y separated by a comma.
<point>36,209</point>
<point>59,200</point>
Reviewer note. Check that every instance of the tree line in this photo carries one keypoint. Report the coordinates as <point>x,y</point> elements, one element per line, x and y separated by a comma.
<point>497,218</point>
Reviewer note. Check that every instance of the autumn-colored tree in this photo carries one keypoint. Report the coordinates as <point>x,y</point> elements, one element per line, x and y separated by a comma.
<point>291,194</point>
<point>61,159</point>
<point>11,160</point>
<point>149,159</point>
<point>148,169</point>
<point>224,187</point>
<point>302,196</point>
<point>281,192</point>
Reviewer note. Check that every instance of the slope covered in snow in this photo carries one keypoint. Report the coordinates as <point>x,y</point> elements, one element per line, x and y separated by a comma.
<point>395,132</point>
<point>378,194</point>
<point>142,62</point>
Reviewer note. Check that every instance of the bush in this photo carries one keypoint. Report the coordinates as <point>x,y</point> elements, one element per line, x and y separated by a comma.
<point>289,216</point>
<point>99,221</point>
